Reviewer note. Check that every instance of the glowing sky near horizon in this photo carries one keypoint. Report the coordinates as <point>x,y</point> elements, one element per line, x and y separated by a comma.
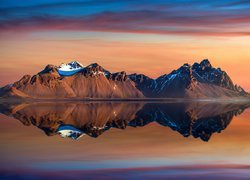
<point>150,37</point>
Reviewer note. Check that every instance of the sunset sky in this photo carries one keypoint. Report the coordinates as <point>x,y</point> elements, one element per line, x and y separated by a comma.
<point>150,37</point>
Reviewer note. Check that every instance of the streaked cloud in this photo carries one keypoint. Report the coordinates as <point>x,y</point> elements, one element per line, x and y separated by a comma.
<point>160,17</point>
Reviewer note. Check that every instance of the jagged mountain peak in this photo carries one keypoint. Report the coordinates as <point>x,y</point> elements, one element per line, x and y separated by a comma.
<point>139,77</point>
<point>189,78</point>
<point>212,75</point>
<point>185,68</point>
<point>186,65</point>
<point>143,83</point>
<point>174,83</point>
<point>73,63</point>
<point>76,62</point>
<point>49,69</point>
<point>94,70</point>
<point>119,76</point>
<point>205,63</point>
<point>94,65</point>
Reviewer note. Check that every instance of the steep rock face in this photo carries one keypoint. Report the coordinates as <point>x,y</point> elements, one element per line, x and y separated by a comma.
<point>92,82</point>
<point>200,80</point>
<point>212,75</point>
<point>119,76</point>
<point>95,69</point>
<point>101,87</point>
<point>169,85</point>
<point>175,83</point>
<point>143,83</point>
<point>46,84</point>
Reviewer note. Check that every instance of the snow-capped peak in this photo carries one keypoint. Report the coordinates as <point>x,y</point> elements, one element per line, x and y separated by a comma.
<point>70,66</point>
<point>68,69</point>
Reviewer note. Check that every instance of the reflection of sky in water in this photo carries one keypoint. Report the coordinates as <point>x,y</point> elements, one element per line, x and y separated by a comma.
<point>151,147</point>
<point>113,164</point>
<point>69,165</point>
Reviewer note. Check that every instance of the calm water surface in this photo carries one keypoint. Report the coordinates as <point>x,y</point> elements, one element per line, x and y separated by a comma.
<point>125,140</point>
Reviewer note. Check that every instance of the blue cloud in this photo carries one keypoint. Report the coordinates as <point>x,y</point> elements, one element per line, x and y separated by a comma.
<point>145,16</point>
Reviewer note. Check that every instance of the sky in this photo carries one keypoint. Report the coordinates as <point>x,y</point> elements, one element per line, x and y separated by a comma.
<point>144,36</point>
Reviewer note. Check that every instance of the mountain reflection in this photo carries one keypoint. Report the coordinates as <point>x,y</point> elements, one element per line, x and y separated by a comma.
<point>74,119</point>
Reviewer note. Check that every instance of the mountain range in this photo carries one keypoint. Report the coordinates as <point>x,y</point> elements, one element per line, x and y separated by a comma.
<point>200,80</point>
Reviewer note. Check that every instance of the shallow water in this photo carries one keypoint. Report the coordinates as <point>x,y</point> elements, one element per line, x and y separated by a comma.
<point>125,140</point>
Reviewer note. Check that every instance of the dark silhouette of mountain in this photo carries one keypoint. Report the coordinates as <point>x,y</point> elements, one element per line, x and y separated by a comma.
<point>200,80</point>
<point>72,119</point>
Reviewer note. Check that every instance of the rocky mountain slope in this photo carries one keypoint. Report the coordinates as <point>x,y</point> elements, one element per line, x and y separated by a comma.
<point>92,82</point>
<point>200,80</point>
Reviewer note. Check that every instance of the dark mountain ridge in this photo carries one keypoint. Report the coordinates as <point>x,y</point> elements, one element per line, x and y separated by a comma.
<point>198,80</point>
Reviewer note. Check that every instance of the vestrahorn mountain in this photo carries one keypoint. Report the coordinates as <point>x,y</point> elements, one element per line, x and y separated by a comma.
<point>200,80</point>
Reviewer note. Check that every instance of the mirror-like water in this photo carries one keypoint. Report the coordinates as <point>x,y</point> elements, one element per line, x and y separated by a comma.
<point>187,139</point>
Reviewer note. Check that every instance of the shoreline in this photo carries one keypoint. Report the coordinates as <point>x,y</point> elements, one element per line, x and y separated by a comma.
<point>162,100</point>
